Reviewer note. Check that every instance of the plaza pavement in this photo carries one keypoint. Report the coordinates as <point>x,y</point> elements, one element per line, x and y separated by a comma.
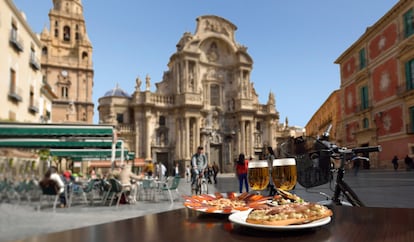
<point>377,188</point>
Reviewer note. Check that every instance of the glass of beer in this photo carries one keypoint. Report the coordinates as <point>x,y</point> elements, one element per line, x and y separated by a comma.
<point>284,173</point>
<point>258,174</point>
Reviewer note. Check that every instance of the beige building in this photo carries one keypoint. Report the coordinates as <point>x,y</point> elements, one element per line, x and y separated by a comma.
<point>25,97</point>
<point>66,62</point>
<point>327,114</point>
<point>206,98</point>
<point>23,94</point>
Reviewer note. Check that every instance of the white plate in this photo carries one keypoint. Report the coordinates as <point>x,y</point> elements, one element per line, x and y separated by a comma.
<point>240,218</point>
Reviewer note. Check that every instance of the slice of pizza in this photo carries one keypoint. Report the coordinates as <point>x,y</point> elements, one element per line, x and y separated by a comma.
<point>287,214</point>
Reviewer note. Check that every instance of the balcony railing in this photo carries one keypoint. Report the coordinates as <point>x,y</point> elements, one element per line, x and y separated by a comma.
<point>409,128</point>
<point>126,128</point>
<point>33,109</point>
<point>15,95</point>
<point>34,63</point>
<point>15,40</point>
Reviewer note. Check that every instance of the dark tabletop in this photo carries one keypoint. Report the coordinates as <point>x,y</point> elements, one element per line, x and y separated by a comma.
<point>348,224</point>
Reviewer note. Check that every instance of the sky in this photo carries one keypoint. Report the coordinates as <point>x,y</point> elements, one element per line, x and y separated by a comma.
<point>293,43</point>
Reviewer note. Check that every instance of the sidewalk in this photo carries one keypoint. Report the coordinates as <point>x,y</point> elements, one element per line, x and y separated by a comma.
<point>375,188</point>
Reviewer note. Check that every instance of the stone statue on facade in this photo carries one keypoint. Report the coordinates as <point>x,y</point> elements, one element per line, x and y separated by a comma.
<point>147,82</point>
<point>138,84</point>
<point>271,99</point>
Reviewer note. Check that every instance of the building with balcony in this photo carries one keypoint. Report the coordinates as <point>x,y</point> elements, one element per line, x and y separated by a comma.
<point>24,95</point>
<point>206,98</point>
<point>377,87</point>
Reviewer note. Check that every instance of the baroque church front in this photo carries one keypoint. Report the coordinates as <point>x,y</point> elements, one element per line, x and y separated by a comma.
<point>206,98</point>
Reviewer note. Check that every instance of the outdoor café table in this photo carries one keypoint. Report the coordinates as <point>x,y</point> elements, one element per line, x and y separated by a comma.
<point>348,224</point>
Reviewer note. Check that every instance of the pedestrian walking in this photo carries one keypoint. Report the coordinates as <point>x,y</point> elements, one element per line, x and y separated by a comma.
<point>356,165</point>
<point>270,156</point>
<point>241,169</point>
<point>215,172</point>
<point>176,169</point>
<point>395,162</point>
<point>408,163</point>
<point>187,173</point>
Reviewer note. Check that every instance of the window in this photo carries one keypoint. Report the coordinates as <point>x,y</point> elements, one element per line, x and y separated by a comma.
<point>32,105</point>
<point>13,33</point>
<point>44,51</point>
<point>56,33</point>
<point>409,74</point>
<point>258,126</point>
<point>12,81</point>
<point>14,37</point>
<point>364,98</point>
<point>64,92</point>
<point>161,121</point>
<point>66,33</point>
<point>31,101</point>
<point>13,92</point>
<point>120,118</point>
<point>214,95</point>
<point>34,62</point>
<point>365,123</point>
<point>362,59</point>
<point>408,23</point>
<point>410,127</point>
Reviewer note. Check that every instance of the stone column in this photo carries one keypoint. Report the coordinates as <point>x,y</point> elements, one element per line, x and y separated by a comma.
<point>187,137</point>
<point>148,154</point>
<point>243,137</point>
<point>178,142</point>
<point>252,129</point>
<point>137,140</point>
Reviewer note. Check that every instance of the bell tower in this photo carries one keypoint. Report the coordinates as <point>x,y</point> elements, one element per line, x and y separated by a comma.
<point>67,63</point>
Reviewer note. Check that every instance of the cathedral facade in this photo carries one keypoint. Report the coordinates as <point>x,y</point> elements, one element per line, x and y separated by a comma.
<point>205,98</point>
<point>66,63</point>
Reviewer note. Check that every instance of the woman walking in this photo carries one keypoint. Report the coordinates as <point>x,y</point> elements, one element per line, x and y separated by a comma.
<point>241,169</point>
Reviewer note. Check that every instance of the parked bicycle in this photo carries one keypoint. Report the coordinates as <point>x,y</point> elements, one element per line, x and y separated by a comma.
<point>315,161</point>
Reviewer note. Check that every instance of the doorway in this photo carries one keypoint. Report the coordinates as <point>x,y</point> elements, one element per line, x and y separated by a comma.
<point>216,156</point>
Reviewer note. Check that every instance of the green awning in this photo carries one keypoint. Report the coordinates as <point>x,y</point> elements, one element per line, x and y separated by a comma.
<point>15,130</point>
<point>87,154</point>
<point>58,143</point>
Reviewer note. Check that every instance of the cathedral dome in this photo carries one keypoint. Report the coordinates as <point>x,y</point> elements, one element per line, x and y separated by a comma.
<point>116,92</point>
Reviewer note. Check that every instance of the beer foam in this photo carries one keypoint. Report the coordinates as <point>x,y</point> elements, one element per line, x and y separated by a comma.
<point>284,162</point>
<point>258,164</point>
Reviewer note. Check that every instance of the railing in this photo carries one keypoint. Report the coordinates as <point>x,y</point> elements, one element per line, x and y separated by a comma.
<point>68,61</point>
<point>161,99</point>
<point>34,107</point>
<point>409,128</point>
<point>404,90</point>
<point>34,62</point>
<point>15,40</point>
<point>16,95</point>
<point>126,128</point>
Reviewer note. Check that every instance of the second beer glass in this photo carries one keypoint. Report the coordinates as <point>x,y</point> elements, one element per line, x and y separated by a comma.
<point>284,173</point>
